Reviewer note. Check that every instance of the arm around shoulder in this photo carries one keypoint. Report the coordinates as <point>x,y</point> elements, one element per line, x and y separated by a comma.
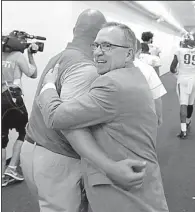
<point>99,105</point>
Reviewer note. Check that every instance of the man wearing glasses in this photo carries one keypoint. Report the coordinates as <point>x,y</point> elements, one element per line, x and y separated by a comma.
<point>120,112</point>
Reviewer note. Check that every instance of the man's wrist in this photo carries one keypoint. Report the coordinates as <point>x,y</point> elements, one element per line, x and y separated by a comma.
<point>47,86</point>
<point>52,84</point>
<point>109,167</point>
<point>105,164</point>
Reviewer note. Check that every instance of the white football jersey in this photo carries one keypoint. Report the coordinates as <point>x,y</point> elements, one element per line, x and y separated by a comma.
<point>154,50</point>
<point>151,60</point>
<point>157,88</point>
<point>186,61</point>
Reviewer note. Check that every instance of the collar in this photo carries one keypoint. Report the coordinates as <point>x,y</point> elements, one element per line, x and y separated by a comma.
<point>81,45</point>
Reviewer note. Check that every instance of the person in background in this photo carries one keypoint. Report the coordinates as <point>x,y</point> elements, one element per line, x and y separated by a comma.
<point>149,59</point>
<point>14,113</point>
<point>183,65</point>
<point>157,88</point>
<point>147,37</point>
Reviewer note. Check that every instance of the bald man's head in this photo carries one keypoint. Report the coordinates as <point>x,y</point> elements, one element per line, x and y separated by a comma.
<point>89,23</point>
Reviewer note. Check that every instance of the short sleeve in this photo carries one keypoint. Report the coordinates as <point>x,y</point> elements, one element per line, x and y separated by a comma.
<point>156,61</point>
<point>156,86</point>
<point>177,52</point>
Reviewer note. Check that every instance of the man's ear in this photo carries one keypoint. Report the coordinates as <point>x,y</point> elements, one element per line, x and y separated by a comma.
<point>130,55</point>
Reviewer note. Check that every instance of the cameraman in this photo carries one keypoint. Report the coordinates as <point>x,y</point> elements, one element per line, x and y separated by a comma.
<point>14,113</point>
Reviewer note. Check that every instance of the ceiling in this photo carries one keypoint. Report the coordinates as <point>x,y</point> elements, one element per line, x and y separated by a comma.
<point>183,12</point>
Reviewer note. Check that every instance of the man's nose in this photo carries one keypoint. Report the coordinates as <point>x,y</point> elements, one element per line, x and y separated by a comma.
<point>98,51</point>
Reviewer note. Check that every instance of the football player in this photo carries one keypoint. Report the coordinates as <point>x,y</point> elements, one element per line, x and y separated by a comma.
<point>183,64</point>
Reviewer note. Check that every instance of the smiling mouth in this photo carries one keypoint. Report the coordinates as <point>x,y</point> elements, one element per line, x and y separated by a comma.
<point>100,62</point>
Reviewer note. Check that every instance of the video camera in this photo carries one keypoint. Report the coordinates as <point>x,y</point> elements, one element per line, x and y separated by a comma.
<point>17,41</point>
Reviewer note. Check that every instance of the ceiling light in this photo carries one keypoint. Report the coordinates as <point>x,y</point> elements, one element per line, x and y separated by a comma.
<point>159,10</point>
<point>161,19</point>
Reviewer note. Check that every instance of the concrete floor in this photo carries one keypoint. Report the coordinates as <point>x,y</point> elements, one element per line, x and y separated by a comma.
<point>176,157</point>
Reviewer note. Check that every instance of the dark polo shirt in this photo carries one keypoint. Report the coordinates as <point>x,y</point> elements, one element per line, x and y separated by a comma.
<point>37,131</point>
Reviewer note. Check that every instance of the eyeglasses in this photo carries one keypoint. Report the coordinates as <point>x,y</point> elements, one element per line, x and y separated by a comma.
<point>105,46</point>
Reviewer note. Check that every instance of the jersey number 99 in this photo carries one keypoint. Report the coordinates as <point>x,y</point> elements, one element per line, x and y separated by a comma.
<point>189,59</point>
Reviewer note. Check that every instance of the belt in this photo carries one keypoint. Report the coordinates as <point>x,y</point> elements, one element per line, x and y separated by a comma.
<point>33,142</point>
